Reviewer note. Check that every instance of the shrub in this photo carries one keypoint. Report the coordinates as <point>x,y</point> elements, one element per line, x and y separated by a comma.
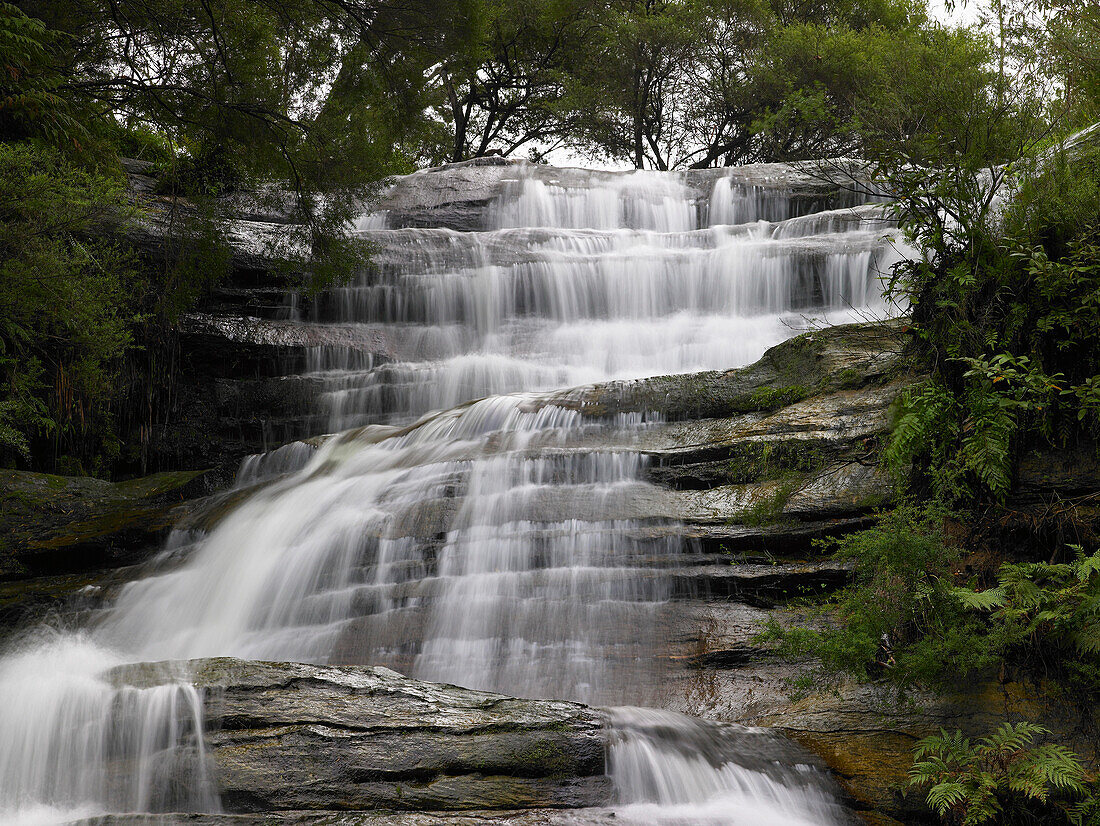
<point>67,307</point>
<point>898,619</point>
<point>1003,778</point>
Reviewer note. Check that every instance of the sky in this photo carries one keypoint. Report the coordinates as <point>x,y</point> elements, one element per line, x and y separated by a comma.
<point>964,14</point>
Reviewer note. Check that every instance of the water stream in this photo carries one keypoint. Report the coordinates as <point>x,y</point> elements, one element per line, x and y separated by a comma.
<point>466,529</point>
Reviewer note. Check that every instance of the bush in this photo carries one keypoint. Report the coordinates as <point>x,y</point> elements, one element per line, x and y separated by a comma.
<point>1046,617</point>
<point>899,618</point>
<point>1004,316</point>
<point>67,308</point>
<point>1003,778</point>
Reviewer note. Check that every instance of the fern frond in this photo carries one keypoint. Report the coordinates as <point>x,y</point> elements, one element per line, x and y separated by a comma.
<point>980,600</point>
<point>1086,566</point>
<point>945,796</point>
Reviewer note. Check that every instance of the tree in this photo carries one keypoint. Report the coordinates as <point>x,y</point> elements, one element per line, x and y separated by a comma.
<point>500,90</point>
<point>30,105</point>
<point>630,91</point>
<point>67,308</point>
<point>321,98</point>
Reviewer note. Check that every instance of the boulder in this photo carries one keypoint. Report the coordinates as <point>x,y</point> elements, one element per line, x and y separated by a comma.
<point>289,736</point>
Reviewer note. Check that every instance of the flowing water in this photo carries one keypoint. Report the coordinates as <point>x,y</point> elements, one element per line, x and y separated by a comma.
<point>466,528</point>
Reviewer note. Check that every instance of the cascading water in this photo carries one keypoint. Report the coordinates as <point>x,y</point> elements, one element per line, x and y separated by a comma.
<point>478,542</point>
<point>672,769</point>
<point>621,278</point>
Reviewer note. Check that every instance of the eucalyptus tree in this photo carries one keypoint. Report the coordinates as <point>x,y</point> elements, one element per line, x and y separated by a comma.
<point>501,89</point>
<point>630,91</point>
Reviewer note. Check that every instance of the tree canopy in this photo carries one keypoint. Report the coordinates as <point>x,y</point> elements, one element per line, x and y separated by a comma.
<point>316,101</point>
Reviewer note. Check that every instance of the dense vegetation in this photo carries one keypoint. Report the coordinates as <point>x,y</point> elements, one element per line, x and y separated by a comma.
<point>962,582</point>
<point>311,102</point>
<point>314,101</point>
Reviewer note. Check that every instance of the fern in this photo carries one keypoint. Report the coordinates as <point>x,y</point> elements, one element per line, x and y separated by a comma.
<point>1039,606</point>
<point>980,600</point>
<point>1002,773</point>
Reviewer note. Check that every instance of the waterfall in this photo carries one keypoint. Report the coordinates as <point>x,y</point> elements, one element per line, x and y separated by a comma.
<point>672,769</point>
<point>462,528</point>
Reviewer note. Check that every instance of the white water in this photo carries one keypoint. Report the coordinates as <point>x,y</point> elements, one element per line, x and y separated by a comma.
<point>673,769</point>
<point>488,545</point>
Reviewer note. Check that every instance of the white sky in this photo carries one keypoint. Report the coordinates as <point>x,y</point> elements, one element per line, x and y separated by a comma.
<point>965,13</point>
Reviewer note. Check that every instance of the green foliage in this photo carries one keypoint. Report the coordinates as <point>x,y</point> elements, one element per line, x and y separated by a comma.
<point>829,88</point>
<point>1003,312</point>
<point>904,619</point>
<point>30,102</point>
<point>774,397</point>
<point>501,89</point>
<point>66,306</point>
<point>898,618</point>
<point>1071,49</point>
<point>767,509</point>
<point>307,105</point>
<point>677,83</point>
<point>1004,778</point>
<point>1047,616</point>
<point>925,431</point>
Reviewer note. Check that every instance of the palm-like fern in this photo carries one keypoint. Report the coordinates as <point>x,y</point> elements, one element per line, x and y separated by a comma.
<point>1055,604</point>
<point>975,783</point>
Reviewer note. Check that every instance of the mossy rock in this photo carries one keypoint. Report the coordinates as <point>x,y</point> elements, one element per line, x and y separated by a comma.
<point>848,357</point>
<point>64,524</point>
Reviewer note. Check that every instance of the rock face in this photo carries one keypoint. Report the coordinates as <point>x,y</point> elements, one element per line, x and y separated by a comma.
<point>63,538</point>
<point>288,736</point>
<point>534,817</point>
<point>459,196</point>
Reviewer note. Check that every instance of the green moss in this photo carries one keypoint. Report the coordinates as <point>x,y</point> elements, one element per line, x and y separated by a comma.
<point>767,507</point>
<point>848,379</point>
<point>771,398</point>
<point>764,461</point>
<point>545,758</point>
<point>156,483</point>
<point>56,482</point>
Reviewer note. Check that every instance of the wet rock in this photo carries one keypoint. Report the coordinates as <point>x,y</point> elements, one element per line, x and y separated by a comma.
<point>537,817</point>
<point>277,341</point>
<point>68,542</point>
<point>814,364</point>
<point>236,393</point>
<point>66,524</point>
<point>459,196</point>
<point>287,736</point>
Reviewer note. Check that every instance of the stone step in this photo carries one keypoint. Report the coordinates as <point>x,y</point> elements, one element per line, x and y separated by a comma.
<point>289,736</point>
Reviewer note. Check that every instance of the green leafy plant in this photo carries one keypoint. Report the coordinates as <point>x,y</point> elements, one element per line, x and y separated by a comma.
<point>68,305</point>
<point>1004,318</point>
<point>1004,777</point>
<point>30,102</point>
<point>1047,615</point>
<point>898,619</point>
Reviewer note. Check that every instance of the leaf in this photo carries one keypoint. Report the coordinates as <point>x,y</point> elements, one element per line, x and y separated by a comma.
<point>980,600</point>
